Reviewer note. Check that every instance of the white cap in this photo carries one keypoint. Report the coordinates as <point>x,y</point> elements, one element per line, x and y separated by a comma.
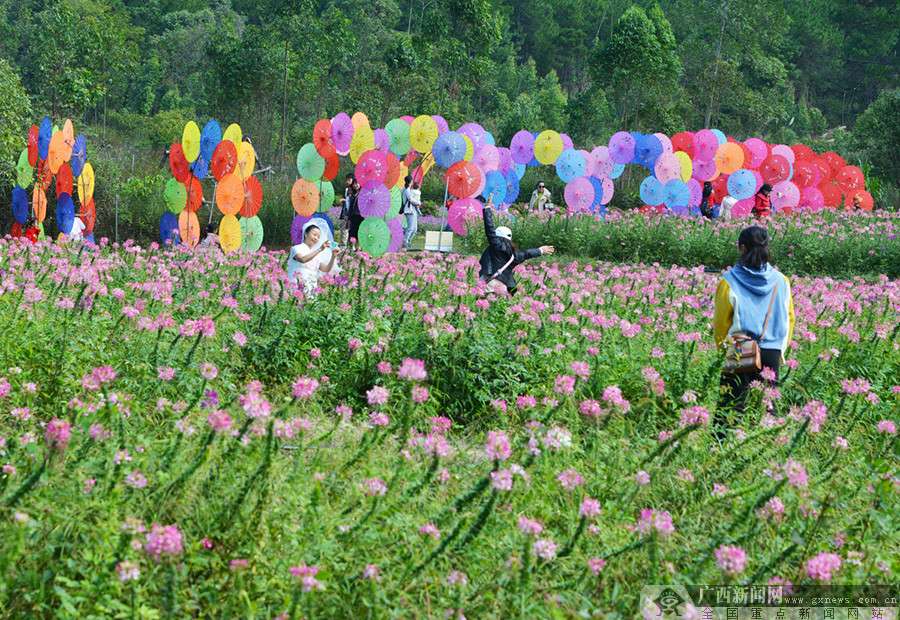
<point>503,231</point>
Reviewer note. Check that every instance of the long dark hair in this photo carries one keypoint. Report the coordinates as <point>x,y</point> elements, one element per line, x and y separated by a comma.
<point>707,189</point>
<point>756,240</point>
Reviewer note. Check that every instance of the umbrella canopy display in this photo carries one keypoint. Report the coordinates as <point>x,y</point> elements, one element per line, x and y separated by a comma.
<point>310,165</point>
<point>298,225</point>
<point>253,197</point>
<point>190,141</point>
<point>65,213</point>
<point>570,165</point>
<point>20,204</point>
<point>169,231</point>
<point>305,197</point>
<point>448,148</point>
<point>230,234</point>
<point>178,163</point>
<point>234,135</point>
<point>24,170</point>
<point>705,144</point>
<point>866,204</point>
<point>45,133</point>
<point>194,193</point>
<point>89,215</point>
<point>621,147</point>
<point>398,133</point>
<point>39,203</point>
<point>785,195</point>
<point>487,158</point>
<point>86,183</point>
<point>775,169</point>
<point>785,151</point>
<point>806,174</point>
<point>850,179</point>
<point>652,192</point>
<point>677,194</point>
<point>363,140</point>
<point>705,170</point>
<point>210,138</point>
<point>374,199</point>
<point>382,141</point>
<point>463,179</point>
<point>684,143</point>
<point>372,166</point>
<point>422,133</point>
<point>32,145</point>
<point>811,199</point>
<point>742,184</point>
<point>246,161</point>
<point>224,159</point>
<point>548,146</point>
<point>374,236</point>
<point>230,194</point>
<point>521,149</point>
<point>461,211</point>
<point>326,195</point>
<point>342,133</point>
<point>64,180</point>
<point>475,133</point>
<point>579,194</point>
<point>758,150</point>
<point>175,196</point>
<point>668,167</point>
<point>494,185</point>
<point>322,140</point>
<point>729,157</point>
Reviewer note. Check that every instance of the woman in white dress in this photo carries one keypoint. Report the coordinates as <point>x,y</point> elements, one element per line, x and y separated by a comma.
<point>304,264</point>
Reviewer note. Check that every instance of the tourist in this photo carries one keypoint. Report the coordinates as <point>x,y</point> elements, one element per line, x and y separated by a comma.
<point>540,197</point>
<point>762,205</point>
<point>727,205</point>
<point>210,239</point>
<point>410,200</point>
<point>303,264</point>
<point>501,256</point>
<point>857,202</point>
<point>345,208</point>
<point>706,202</point>
<point>32,232</point>
<point>742,306</point>
<point>354,216</point>
<point>76,235</point>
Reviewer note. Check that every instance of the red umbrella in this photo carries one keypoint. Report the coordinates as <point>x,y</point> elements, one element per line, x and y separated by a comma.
<point>180,166</point>
<point>867,202</point>
<point>849,179</point>
<point>224,159</point>
<point>253,197</point>
<point>806,174</point>
<point>64,180</point>
<point>33,145</point>
<point>322,139</point>
<point>393,170</point>
<point>831,194</point>
<point>720,188</point>
<point>89,216</point>
<point>463,179</point>
<point>194,192</point>
<point>45,176</point>
<point>834,160</point>
<point>775,169</point>
<point>801,152</point>
<point>683,142</point>
<point>331,167</point>
<point>16,231</point>
<point>827,172</point>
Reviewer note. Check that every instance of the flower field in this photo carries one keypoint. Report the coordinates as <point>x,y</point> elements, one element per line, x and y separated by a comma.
<point>182,434</point>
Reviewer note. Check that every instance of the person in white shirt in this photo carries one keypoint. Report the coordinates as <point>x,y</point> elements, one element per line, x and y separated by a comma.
<point>304,265</point>
<point>210,238</point>
<point>76,235</point>
<point>411,199</point>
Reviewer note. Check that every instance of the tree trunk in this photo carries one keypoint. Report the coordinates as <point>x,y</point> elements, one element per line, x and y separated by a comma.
<point>283,112</point>
<point>709,107</point>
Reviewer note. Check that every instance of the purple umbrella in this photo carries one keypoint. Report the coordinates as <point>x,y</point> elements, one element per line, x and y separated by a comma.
<point>475,133</point>
<point>579,194</point>
<point>705,145</point>
<point>396,229</point>
<point>603,165</point>
<point>621,147</point>
<point>487,158</point>
<point>705,170</point>
<point>382,140</point>
<point>521,148</point>
<point>695,187</point>
<point>441,123</point>
<point>374,199</point>
<point>505,157</point>
<point>608,188</point>
<point>297,228</point>
<point>342,133</point>
<point>567,142</point>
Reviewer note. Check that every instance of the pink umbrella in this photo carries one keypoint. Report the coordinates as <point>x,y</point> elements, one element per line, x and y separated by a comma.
<point>621,147</point>
<point>705,170</point>
<point>786,152</point>
<point>759,180</point>
<point>408,119</point>
<point>785,195</point>
<point>705,144</point>
<point>742,208</point>
<point>461,211</point>
<point>487,158</point>
<point>374,199</point>
<point>666,142</point>
<point>604,165</point>
<point>759,151</point>
<point>567,142</point>
<point>475,133</point>
<point>482,184</point>
<point>668,167</point>
<point>607,191</point>
<point>372,166</point>
<point>396,227</point>
<point>579,194</point>
<point>342,133</point>
<point>521,148</point>
<point>695,187</point>
<point>812,199</point>
<point>505,157</point>
<point>382,140</point>
<point>441,123</point>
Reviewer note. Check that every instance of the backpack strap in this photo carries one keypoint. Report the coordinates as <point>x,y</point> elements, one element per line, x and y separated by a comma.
<point>769,313</point>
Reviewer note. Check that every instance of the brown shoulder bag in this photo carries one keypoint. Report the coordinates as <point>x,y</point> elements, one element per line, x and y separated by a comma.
<point>742,353</point>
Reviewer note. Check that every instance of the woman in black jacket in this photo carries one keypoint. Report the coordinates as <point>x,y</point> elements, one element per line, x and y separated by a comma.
<point>356,217</point>
<point>501,256</point>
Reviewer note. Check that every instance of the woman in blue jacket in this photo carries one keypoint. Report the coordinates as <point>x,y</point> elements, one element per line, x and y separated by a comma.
<point>501,256</point>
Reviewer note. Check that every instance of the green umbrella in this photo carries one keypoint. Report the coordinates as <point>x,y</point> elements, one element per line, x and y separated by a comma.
<point>374,236</point>
<point>398,131</point>
<point>24,170</point>
<point>326,195</point>
<point>310,165</point>
<point>251,233</point>
<point>176,196</point>
<point>394,209</point>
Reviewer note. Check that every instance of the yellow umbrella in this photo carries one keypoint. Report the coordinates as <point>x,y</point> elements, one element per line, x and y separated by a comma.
<point>422,133</point>
<point>246,161</point>
<point>427,163</point>
<point>233,134</point>
<point>229,233</point>
<point>687,166</point>
<point>404,170</point>
<point>68,132</point>
<point>86,184</point>
<point>548,146</point>
<point>470,148</point>
<point>363,140</point>
<point>359,120</point>
<point>190,141</point>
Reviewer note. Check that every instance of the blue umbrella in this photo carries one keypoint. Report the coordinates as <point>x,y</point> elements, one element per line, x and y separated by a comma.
<point>650,150</point>
<point>639,140</point>
<point>168,229</point>
<point>44,135</point>
<point>489,138</point>
<point>494,183</point>
<point>449,148</point>
<point>65,213</point>
<point>652,192</point>
<point>79,156</point>
<point>512,187</point>
<point>598,191</point>
<point>617,171</point>
<point>677,194</point>
<point>520,169</point>
<point>720,136</point>
<point>570,165</point>
<point>534,163</point>
<point>20,204</point>
<point>209,140</point>
<point>324,220</point>
<point>741,184</point>
<point>90,239</point>
<point>200,167</point>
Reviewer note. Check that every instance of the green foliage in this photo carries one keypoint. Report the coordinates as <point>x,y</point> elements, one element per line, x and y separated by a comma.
<point>877,135</point>
<point>15,117</point>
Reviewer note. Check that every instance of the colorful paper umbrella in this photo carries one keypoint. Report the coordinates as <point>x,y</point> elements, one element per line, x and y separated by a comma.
<point>32,145</point>
<point>548,146</point>
<point>251,233</point>
<point>396,204</point>
<point>89,216</point>
<point>720,189</point>
<point>463,179</point>
<point>194,193</point>
<point>621,147</point>
<point>395,226</point>
<point>806,174</point>
<point>44,176</point>
<point>461,211</point>
<point>811,199</point>
<point>618,169</point>
<point>834,160</point>
<point>785,151</point>
<point>665,141</point>
<point>56,155</point>
<point>86,184</point>
<point>39,203</point>
<point>246,160</point>
<point>729,157</point>
<point>372,166</point>
<point>759,150</point>
<point>65,213</point>
<point>224,159</point>
<point>475,132</point>
<point>512,188</point>
<point>392,177</point>
<point>64,180</point>
<point>441,123</point>
<point>803,152</point>
<point>253,197</point>
<point>741,208</point>
<point>16,231</point>
<point>603,165</point>
<point>234,135</point>
<point>868,203</point>
<point>200,167</point>
<point>448,148</point>
<point>668,167</point>
<point>230,194</point>
<point>210,138</point>
<point>677,194</point>
<point>579,194</point>
<point>687,166</point>
<point>521,148</point>
<point>298,224</point>
<point>230,233</point>
<point>785,196</point>
<point>24,170</point>
<point>178,163</point>
<point>374,235</point>
<point>651,210</point>
<point>567,142</point>
<point>360,120</point>
<point>487,158</point>
<point>705,145</point>
<point>652,192</point>
<point>398,133</point>
<point>826,172</point>
<point>775,169</point>
<point>20,204</point>
<point>321,139</point>
<point>169,231</point>
<point>422,133</point>
<point>850,179</point>
<point>374,199</point>
<point>310,165</point>
<point>305,197</point>
<point>683,142</point>
<point>705,170</point>
<point>342,131</point>
<point>382,141</point>
<point>326,195</point>
<point>363,140</point>
<point>647,151</point>
<point>719,136</point>
<point>570,165</point>
<point>741,184</point>
<point>324,225</point>
<point>190,141</point>
<point>45,133</point>
<point>495,183</point>
<point>831,194</point>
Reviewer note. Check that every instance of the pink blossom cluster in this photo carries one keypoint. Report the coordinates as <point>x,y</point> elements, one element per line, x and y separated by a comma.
<point>163,541</point>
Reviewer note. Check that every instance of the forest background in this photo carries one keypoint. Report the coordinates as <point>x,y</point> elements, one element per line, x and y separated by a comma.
<point>131,74</point>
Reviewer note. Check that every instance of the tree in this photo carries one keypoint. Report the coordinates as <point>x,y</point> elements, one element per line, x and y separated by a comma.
<point>15,112</point>
<point>877,134</point>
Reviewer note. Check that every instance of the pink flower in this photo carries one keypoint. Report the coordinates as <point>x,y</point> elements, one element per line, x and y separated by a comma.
<point>430,529</point>
<point>440,424</point>
<point>376,418</point>
<point>774,509</point>
<point>373,486</point>
<point>165,373</point>
<point>685,475</point>
<point>128,570</point>
<point>531,527</point>
<point>816,412</point>
<point>162,541</point>
<point>306,575</point>
<point>219,420</point>
<point>642,478</point>
<point>840,443</point>
<point>591,408</point>
<point>544,548</point>
<point>58,434</point>
<point>238,564</point>
<point>419,394</point>
<point>89,486</point>
<point>353,344</point>
<point>886,426</point>
<point>304,387</point>
<point>730,560</point>
<point>694,415</point>
<point>581,369</point>
<point>372,573</point>
<point>596,565</point>
<point>498,446</point>
<point>412,370</point>
<point>822,567</point>
<point>384,367</point>
<point>136,480</point>
<point>457,578</point>
<point>719,490</point>
<point>570,479</point>
<point>499,404</point>
<point>659,521</point>
<point>502,480</point>
<point>377,395</point>
<point>209,371</point>
<point>255,406</point>
<point>589,508</point>
<point>436,445</point>
<point>239,339</point>
<point>564,384</point>
<point>526,401</point>
<point>612,395</point>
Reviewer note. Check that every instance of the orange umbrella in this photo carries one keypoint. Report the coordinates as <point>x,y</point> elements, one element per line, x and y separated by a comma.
<point>359,120</point>
<point>57,154</point>
<point>729,157</point>
<point>189,226</point>
<point>867,202</point>
<point>230,194</point>
<point>45,177</point>
<point>331,168</point>
<point>68,133</point>
<point>305,197</point>
<point>39,203</point>
<point>64,180</point>
<point>322,139</point>
<point>179,164</point>
<point>89,216</point>
<point>393,170</point>
<point>463,179</point>
<point>253,197</point>
<point>224,159</point>
<point>194,193</point>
